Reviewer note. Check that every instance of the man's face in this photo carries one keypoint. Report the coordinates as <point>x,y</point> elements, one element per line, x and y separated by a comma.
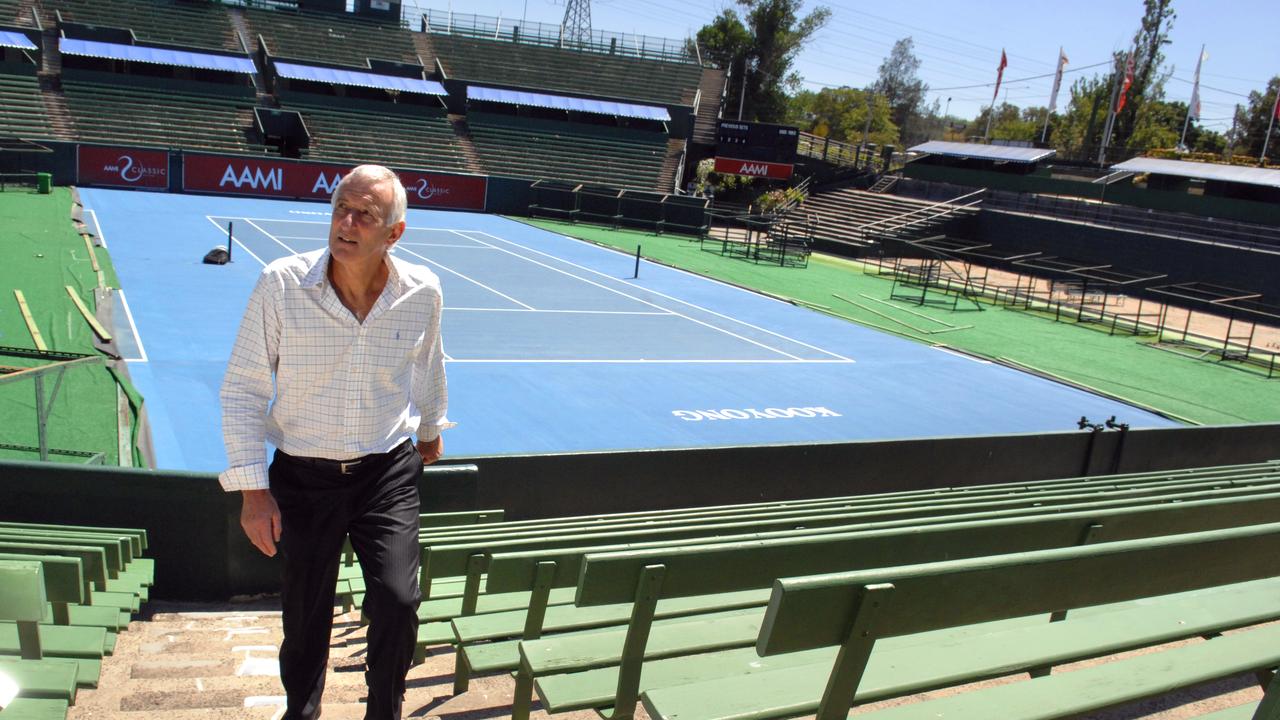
<point>358,231</point>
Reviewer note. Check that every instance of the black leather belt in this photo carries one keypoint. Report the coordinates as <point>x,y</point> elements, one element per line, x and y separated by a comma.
<point>343,467</point>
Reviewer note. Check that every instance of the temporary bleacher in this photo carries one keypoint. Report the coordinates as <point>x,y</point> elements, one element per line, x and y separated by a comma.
<point>205,25</point>
<point>399,135</point>
<point>216,119</point>
<point>496,62</point>
<point>330,37</point>
<point>548,149</point>
<point>22,110</point>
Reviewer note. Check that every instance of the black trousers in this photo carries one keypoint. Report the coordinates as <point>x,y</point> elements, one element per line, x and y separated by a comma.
<point>376,503</point>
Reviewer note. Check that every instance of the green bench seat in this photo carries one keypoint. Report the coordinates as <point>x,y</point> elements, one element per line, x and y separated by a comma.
<point>646,576</point>
<point>856,611</point>
<point>35,709</point>
<point>46,679</point>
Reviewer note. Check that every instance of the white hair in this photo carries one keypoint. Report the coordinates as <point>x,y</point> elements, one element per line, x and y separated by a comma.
<point>376,175</point>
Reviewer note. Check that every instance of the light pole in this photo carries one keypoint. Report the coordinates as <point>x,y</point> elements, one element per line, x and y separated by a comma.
<point>946,119</point>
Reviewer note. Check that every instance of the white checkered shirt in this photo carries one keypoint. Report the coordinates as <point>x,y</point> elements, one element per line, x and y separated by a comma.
<point>342,389</point>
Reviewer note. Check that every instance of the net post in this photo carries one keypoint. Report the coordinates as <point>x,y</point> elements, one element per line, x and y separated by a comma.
<point>637,272</point>
<point>230,240</point>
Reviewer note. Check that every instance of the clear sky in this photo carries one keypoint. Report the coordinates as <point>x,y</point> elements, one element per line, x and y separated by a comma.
<point>959,43</point>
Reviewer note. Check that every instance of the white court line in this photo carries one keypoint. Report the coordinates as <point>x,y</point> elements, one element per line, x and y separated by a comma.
<point>970,358</point>
<point>471,280</point>
<point>469,247</point>
<point>645,361</point>
<point>326,222</point>
<point>101,238</point>
<point>623,294</point>
<point>273,237</point>
<point>569,312</point>
<point>133,328</point>
<point>301,237</point>
<point>234,240</point>
<point>676,299</point>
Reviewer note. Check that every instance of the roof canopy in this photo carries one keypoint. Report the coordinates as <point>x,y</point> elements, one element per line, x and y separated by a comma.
<point>1203,171</point>
<point>977,151</point>
<point>357,78</point>
<point>157,56</point>
<point>9,38</point>
<point>562,102</point>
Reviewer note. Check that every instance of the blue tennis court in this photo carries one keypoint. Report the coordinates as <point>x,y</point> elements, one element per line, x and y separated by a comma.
<point>552,346</point>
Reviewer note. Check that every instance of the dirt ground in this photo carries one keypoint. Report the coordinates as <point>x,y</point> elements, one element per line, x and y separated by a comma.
<point>218,662</point>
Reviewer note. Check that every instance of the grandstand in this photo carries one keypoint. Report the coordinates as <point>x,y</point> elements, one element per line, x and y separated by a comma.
<point>203,25</point>
<point>326,38</point>
<point>413,136</point>
<point>213,118</point>
<point>22,109</point>
<point>578,152</point>
<point>495,62</point>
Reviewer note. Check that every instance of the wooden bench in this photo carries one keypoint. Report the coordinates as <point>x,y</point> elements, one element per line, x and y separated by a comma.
<point>644,577</point>
<point>855,611</point>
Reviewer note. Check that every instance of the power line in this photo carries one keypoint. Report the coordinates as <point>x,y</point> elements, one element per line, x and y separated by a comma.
<point>1013,80</point>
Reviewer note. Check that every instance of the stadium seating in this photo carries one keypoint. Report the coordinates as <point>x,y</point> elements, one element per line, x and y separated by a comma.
<point>858,612</point>
<point>496,62</point>
<point>185,118</point>
<point>22,111</point>
<point>205,25</point>
<point>65,592</point>
<point>11,13</point>
<point>404,135</point>
<point>542,560</point>
<point>536,149</point>
<point>345,40</point>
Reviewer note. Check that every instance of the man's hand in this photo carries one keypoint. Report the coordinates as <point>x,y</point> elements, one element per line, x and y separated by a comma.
<point>431,450</point>
<point>260,518</point>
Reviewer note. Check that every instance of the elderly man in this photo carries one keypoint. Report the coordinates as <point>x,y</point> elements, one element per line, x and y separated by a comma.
<point>339,364</point>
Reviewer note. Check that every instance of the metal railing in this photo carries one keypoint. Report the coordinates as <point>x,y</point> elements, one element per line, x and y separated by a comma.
<point>1177,225</point>
<point>529,32</point>
<point>927,214</point>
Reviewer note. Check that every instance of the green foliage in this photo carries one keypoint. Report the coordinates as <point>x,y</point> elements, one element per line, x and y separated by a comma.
<point>1010,123</point>
<point>767,43</point>
<point>1254,121</point>
<point>775,200</point>
<point>841,114</point>
<point>899,83</point>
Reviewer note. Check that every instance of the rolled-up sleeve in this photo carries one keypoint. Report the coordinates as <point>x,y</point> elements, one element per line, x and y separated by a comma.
<point>247,388</point>
<point>430,390</point>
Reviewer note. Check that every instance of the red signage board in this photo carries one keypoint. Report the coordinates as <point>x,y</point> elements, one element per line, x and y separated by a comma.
<point>753,168</point>
<point>122,167</point>
<point>279,178</point>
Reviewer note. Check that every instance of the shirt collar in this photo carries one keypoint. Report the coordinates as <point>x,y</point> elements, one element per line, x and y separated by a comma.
<point>318,275</point>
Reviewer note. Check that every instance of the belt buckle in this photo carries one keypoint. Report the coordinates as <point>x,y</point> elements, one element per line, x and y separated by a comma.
<point>346,468</point>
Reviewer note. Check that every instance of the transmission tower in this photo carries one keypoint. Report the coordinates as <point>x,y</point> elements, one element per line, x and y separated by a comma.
<point>576,27</point>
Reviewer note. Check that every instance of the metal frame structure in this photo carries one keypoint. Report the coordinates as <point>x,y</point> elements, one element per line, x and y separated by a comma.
<point>60,363</point>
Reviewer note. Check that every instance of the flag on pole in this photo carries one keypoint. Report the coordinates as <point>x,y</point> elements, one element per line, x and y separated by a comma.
<point>1004,63</point>
<point>1057,80</point>
<point>1275,111</point>
<point>1128,82</point>
<point>1195,88</point>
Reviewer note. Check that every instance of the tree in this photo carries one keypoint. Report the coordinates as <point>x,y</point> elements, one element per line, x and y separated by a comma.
<point>841,114</point>
<point>774,34</point>
<point>1255,119</point>
<point>1148,80</point>
<point>900,84</point>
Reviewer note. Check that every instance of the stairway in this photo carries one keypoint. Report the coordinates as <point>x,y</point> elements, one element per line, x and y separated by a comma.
<point>708,111</point>
<point>885,184</point>
<point>55,102</point>
<point>462,133</point>
<point>670,165</point>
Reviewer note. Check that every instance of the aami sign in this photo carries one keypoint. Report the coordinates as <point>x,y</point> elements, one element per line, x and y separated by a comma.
<point>122,167</point>
<point>268,177</point>
<point>753,168</point>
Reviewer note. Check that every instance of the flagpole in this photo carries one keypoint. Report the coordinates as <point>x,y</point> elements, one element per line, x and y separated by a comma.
<point>1195,93</point>
<point>991,111</point>
<point>1262,159</point>
<point>1053,98</point>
